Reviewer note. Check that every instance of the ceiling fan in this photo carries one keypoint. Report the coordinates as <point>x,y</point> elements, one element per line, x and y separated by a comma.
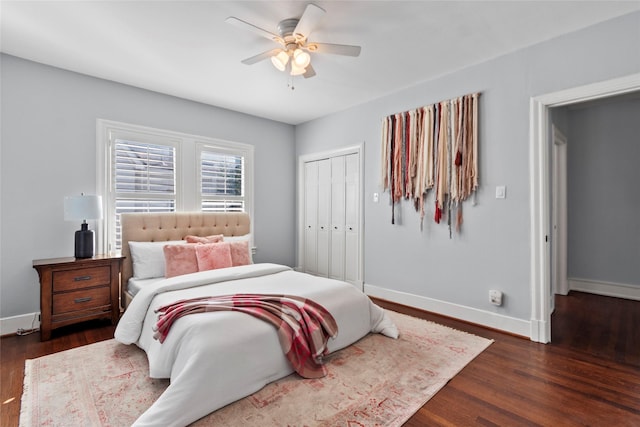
<point>293,34</point>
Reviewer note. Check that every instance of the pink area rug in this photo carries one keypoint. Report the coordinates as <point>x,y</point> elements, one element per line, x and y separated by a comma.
<point>377,381</point>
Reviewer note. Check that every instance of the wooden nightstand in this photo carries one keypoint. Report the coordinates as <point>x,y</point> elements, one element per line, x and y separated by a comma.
<point>73,290</point>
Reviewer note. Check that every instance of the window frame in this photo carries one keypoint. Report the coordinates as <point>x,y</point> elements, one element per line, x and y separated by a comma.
<point>236,149</point>
<point>187,170</point>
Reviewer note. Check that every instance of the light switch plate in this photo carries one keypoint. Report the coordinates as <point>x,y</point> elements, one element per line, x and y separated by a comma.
<point>501,192</point>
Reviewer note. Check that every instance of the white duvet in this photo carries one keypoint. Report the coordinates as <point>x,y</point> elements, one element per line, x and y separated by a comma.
<point>213,359</point>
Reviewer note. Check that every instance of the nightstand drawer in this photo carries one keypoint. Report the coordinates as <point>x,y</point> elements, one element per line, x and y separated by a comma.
<point>81,300</point>
<point>69,280</point>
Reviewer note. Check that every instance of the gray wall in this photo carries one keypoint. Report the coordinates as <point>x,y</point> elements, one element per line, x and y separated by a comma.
<point>603,174</point>
<point>493,251</point>
<point>49,151</point>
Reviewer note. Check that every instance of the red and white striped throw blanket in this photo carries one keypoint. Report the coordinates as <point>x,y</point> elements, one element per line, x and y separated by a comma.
<point>304,326</point>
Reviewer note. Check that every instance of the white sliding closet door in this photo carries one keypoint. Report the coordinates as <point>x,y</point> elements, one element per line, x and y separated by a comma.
<point>331,207</point>
<point>352,219</point>
<point>336,269</point>
<point>310,262</point>
<point>324,216</point>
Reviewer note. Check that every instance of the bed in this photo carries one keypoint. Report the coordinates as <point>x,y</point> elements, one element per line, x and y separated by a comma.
<point>213,359</point>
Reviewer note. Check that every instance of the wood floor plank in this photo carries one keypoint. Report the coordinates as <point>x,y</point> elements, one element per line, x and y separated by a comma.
<point>588,375</point>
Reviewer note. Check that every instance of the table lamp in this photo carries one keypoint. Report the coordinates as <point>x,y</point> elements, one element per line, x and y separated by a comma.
<point>83,208</point>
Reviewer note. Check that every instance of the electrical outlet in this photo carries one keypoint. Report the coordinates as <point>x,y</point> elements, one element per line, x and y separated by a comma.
<point>495,297</point>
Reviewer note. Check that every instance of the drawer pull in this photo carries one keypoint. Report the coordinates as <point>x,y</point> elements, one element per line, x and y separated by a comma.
<point>81,300</point>
<point>81,278</point>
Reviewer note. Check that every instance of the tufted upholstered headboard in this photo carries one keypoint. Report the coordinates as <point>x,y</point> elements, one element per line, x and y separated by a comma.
<point>165,226</point>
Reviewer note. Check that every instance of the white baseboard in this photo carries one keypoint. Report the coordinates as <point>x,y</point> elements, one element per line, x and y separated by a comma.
<point>468,314</point>
<point>11,325</point>
<point>610,289</point>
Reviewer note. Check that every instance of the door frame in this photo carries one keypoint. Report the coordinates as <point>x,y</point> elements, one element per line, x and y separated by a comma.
<point>559,219</point>
<point>302,159</point>
<point>539,171</point>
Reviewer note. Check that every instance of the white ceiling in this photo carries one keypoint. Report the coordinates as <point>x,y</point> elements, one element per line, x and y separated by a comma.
<point>185,48</point>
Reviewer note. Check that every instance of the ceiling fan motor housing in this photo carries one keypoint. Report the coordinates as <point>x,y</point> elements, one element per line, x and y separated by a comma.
<point>286,28</point>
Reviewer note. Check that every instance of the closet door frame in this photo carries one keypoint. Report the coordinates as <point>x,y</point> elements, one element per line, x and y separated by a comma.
<point>354,149</point>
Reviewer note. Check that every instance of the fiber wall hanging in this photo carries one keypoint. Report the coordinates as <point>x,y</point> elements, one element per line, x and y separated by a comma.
<point>434,147</point>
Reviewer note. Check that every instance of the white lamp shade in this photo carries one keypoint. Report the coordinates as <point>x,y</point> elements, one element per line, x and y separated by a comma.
<point>280,60</point>
<point>301,58</point>
<point>82,207</point>
<point>296,70</point>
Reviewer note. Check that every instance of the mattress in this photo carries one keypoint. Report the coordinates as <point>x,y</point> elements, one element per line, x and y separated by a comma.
<point>134,285</point>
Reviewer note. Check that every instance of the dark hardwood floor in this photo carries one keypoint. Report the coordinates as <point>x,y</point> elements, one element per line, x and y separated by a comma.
<point>588,376</point>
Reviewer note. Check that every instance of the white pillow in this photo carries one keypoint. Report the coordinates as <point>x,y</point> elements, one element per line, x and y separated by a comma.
<point>148,258</point>
<point>243,238</point>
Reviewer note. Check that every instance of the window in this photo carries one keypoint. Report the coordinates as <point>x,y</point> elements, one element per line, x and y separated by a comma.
<point>221,183</point>
<point>144,178</point>
<point>151,170</point>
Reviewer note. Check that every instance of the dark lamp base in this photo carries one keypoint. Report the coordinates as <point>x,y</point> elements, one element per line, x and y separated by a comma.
<point>84,242</point>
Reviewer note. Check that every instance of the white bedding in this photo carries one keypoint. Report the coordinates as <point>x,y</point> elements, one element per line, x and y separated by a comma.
<point>214,359</point>
<point>134,285</point>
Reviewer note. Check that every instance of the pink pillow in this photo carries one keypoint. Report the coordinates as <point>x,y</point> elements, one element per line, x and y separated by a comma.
<point>213,255</point>
<point>209,239</point>
<point>240,253</point>
<point>180,259</point>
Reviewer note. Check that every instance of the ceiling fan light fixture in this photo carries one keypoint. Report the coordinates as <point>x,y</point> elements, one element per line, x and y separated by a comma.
<point>294,54</point>
<point>280,60</point>
<point>301,58</point>
<point>297,70</point>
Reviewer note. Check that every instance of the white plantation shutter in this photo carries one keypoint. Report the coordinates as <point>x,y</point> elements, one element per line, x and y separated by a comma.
<point>144,178</point>
<point>224,177</point>
<point>144,168</point>
<point>222,184</point>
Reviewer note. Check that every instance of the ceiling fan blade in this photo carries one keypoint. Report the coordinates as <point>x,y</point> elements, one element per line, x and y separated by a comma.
<point>310,18</point>
<point>261,56</point>
<point>310,72</point>
<point>336,49</point>
<point>256,30</point>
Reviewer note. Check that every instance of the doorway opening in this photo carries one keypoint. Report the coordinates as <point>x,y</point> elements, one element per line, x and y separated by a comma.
<point>541,198</point>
